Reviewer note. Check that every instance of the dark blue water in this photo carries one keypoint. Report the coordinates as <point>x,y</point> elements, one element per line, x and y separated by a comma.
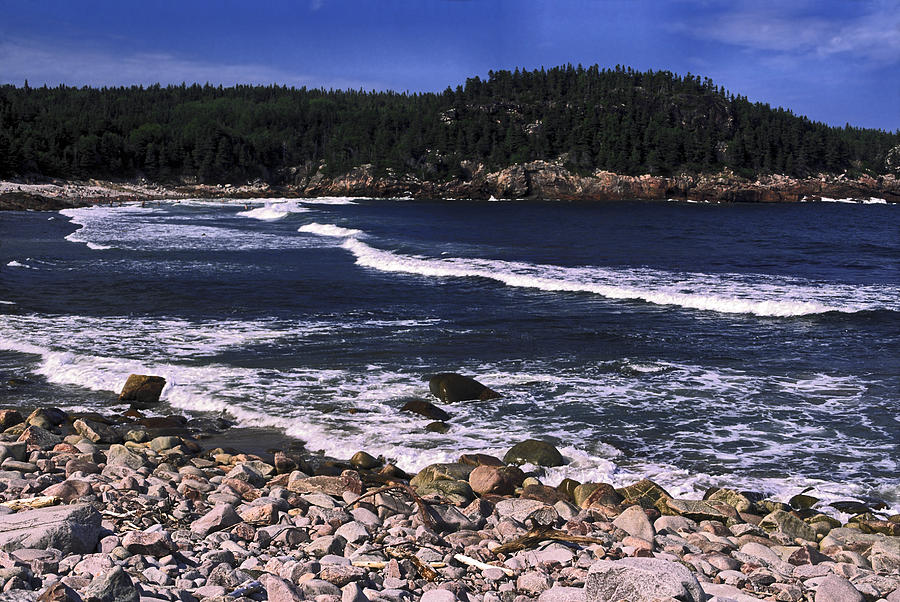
<point>750,345</point>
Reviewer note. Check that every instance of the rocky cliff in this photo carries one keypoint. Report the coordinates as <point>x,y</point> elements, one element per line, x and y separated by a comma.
<point>546,180</point>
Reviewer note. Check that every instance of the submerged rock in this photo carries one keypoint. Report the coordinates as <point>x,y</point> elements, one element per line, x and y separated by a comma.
<point>426,409</point>
<point>450,387</point>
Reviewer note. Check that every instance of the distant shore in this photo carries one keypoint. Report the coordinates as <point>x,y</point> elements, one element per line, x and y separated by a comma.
<point>537,180</point>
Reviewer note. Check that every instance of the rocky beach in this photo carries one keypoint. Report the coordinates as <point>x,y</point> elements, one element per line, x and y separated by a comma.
<point>137,505</point>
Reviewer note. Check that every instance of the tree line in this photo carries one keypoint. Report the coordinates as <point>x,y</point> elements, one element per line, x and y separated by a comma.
<point>617,119</point>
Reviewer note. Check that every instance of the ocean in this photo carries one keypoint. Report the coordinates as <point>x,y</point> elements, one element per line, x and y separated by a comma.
<point>742,345</point>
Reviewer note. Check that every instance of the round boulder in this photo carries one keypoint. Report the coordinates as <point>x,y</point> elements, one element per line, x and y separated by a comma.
<point>450,387</point>
<point>533,451</point>
<point>499,480</point>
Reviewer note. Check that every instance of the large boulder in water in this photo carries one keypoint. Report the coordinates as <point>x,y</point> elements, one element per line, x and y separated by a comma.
<point>450,387</point>
<point>533,451</point>
<point>142,390</point>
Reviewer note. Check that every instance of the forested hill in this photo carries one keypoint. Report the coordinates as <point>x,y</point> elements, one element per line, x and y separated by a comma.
<point>618,120</point>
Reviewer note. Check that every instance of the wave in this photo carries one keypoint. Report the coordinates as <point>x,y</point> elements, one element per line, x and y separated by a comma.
<point>761,419</point>
<point>271,212</point>
<point>156,228</point>
<point>329,230</point>
<point>18,264</point>
<point>724,293</point>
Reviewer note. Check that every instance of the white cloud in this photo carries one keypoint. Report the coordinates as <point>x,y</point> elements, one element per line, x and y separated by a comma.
<point>42,64</point>
<point>873,34</point>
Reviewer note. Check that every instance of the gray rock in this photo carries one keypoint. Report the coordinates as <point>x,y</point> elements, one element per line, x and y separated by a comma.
<point>279,590</point>
<point>71,529</point>
<point>327,544</point>
<point>885,555</point>
<point>248,474</point>
<point>533,582</point>
<point>340,574</point>
<point>438,595</point>
<point>96,432</point>
<point>319,587</point>
<point>114,586</point>
<point>641,580</point>
<point>835,588</point>
<point>562,594</point>
<point>450,518</point>
<point>119,455</point>
<point>352,592</point>
<point>165,442</point>
<point>634,521</point>
<point>517,508</point>
<point>16,451</point>
<point>209,591</point>
<point>674,524</point>
<point>155,543</point>
<point>35,435</point>
<point>787,523</point>
<point>721,591</point>
<point>353,532</point>
<point>59,592</point>
<point>220,517</point>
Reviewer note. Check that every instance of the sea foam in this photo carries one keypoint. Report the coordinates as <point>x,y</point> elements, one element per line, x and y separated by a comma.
<point>329,230</point>
<point>759,295</point>
<point>273,211</point>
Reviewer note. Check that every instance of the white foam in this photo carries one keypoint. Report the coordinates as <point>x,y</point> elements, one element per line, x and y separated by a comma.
<point>18,264</point>
<point>132,227</point>
<point>314,404</point>
<point>725,293</point>
<point>332,200</point>
<point>7,302</point>
<point>849,200</point>
<point>273,211</point>
<point>329,230</point>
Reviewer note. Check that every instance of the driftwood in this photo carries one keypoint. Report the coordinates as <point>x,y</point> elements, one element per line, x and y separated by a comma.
<point>420,503</point>
<point>428,573</point>
<point>32,503</point>
<point>380,564</point>
<point>536,536</point>
<point>468,560</point>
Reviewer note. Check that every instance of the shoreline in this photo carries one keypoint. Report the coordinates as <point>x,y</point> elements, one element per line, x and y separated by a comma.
<point>162,514</point>
<point>531,181</point>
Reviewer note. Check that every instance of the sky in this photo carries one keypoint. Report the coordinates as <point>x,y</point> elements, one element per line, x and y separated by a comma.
<point>835,61</point>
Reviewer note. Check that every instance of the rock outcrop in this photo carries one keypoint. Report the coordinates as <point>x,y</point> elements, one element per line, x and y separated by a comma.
<point>70,529</point>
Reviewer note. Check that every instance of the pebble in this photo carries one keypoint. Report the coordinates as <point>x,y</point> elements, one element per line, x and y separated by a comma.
<point>182,524</point>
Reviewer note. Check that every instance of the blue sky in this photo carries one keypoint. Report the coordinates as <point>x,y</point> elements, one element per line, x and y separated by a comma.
<point>834,61</point>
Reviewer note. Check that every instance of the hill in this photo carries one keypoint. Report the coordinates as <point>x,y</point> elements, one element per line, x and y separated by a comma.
<point>586,120</point>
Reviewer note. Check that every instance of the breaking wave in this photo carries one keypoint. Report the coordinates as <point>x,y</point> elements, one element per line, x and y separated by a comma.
<point>755,294</point>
